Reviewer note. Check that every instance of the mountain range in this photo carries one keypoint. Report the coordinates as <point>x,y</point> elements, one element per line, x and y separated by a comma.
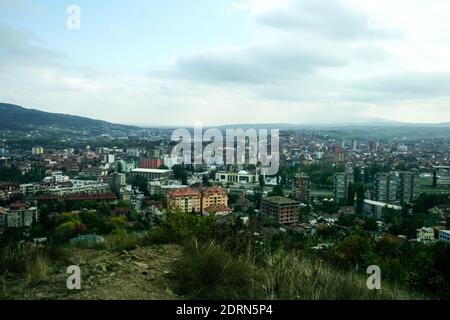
<point>14,117</point>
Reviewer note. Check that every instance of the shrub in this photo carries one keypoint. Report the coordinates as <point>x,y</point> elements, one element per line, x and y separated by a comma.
<point>37,269</point>
<point>65,231</point>
<point>207,271</point>
<point>122,241</point>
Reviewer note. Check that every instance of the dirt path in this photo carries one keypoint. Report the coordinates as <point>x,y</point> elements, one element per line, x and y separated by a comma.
<point>140,274</point>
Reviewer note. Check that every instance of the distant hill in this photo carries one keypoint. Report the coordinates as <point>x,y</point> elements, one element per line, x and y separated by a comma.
<point>14,117</point>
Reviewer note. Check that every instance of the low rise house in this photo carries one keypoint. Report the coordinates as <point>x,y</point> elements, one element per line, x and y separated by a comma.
<point>444,236</point>
<point>425,234</point>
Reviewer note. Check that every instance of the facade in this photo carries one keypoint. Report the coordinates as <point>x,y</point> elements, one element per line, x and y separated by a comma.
<point>425,234</point>
<point>117,181</point>
<point>342,181</point>
<point>282,210</point>
<point>386,186</point>
<point>409,186</point>
<point>375,208</point>
<point>58,177</point>
<point>37,151</point>
<point>151,174</point>
<point>151,163</point>
<point>214,197</point>
<point>241,177</point>
<point>444,236</point>
<point>301,187</point>
<point>186,199</point>
<point>397,187</point>
<point>79,187</point>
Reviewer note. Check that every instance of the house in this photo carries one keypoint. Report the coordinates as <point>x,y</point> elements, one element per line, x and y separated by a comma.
<point>425,234</point>
<point>346,210</point>
<point>218,210</point>
<point>444,236</point>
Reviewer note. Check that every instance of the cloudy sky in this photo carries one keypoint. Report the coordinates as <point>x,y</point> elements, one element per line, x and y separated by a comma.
<point>177,62</point>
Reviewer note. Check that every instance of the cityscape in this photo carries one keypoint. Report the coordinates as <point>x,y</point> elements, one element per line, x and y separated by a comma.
<point>264,170</point>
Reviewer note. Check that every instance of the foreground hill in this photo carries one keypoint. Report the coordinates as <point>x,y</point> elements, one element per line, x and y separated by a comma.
<point>14,117</point>
<point>139,274</point>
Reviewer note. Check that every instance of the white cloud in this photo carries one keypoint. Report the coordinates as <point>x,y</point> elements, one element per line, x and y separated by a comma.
<point>240,6</point>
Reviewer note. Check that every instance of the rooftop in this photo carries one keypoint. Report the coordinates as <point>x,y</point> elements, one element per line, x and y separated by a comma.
<point>184,192</point>
<point>143,170</point>
<point>280,200</point>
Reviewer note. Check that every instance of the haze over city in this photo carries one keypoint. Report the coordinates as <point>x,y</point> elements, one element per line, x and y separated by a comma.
<point>224,62</point>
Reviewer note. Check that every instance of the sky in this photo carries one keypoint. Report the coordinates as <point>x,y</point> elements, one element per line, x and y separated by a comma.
<point>216,62</point>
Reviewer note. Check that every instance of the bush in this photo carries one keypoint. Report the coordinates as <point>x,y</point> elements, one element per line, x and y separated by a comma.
<point>207,271</point>
<point>122,241</point>
<point>65,231</point>
<point>37,269</point>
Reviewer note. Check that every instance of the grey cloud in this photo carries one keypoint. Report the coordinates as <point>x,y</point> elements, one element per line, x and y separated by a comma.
<point>22,48</point>
<point>406,85</point>
<point>255,64</point>
<point>330,19</point>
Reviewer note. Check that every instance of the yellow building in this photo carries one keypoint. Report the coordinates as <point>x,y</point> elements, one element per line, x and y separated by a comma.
<point>186,199</point>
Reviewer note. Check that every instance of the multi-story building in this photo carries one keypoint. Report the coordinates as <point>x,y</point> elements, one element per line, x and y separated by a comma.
<point>58,177</point>
<point>282,210</point>
<point>117,181</point>
<point>386,185</point>
<point>241,177</point>
<point>214,197</point>
<point>301,187</point>
<point>37,151</point>
<point>375,208</point>
<point>151,174</point>
<point>397,187</point>
<point>155,163</point>
<point>342,181</point>
<point>425,234</point>
<point>186,199</point>
<point>444,236</point>
<point>409,186</point>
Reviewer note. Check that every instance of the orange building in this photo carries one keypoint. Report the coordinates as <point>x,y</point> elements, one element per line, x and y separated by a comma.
<point>186,199</point>
<point>214,197</point>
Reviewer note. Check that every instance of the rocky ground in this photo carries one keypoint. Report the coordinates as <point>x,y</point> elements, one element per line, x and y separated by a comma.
<point>139,274</point>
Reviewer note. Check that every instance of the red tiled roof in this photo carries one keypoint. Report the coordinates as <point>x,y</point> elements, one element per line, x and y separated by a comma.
<point>214,190</point>
<point>184,192</point>
<point>218,208</point>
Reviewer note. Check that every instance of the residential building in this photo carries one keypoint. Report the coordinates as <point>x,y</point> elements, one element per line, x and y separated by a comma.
<point>214,197</point>
<point>58,177</point>
<point>282,210</point>
<point>409,186</point>
<point>386,186</point>
<point>241,177</point>
<point>151,174</point>
<point>186,199</point>
<point>425,234</point>
<point>117,181</point>
<point>444,236</point>
<point>154,163</point>
<point>301,185</point>
<point>375,208</point>
<point>342,181</point>
<point>37,151</point>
